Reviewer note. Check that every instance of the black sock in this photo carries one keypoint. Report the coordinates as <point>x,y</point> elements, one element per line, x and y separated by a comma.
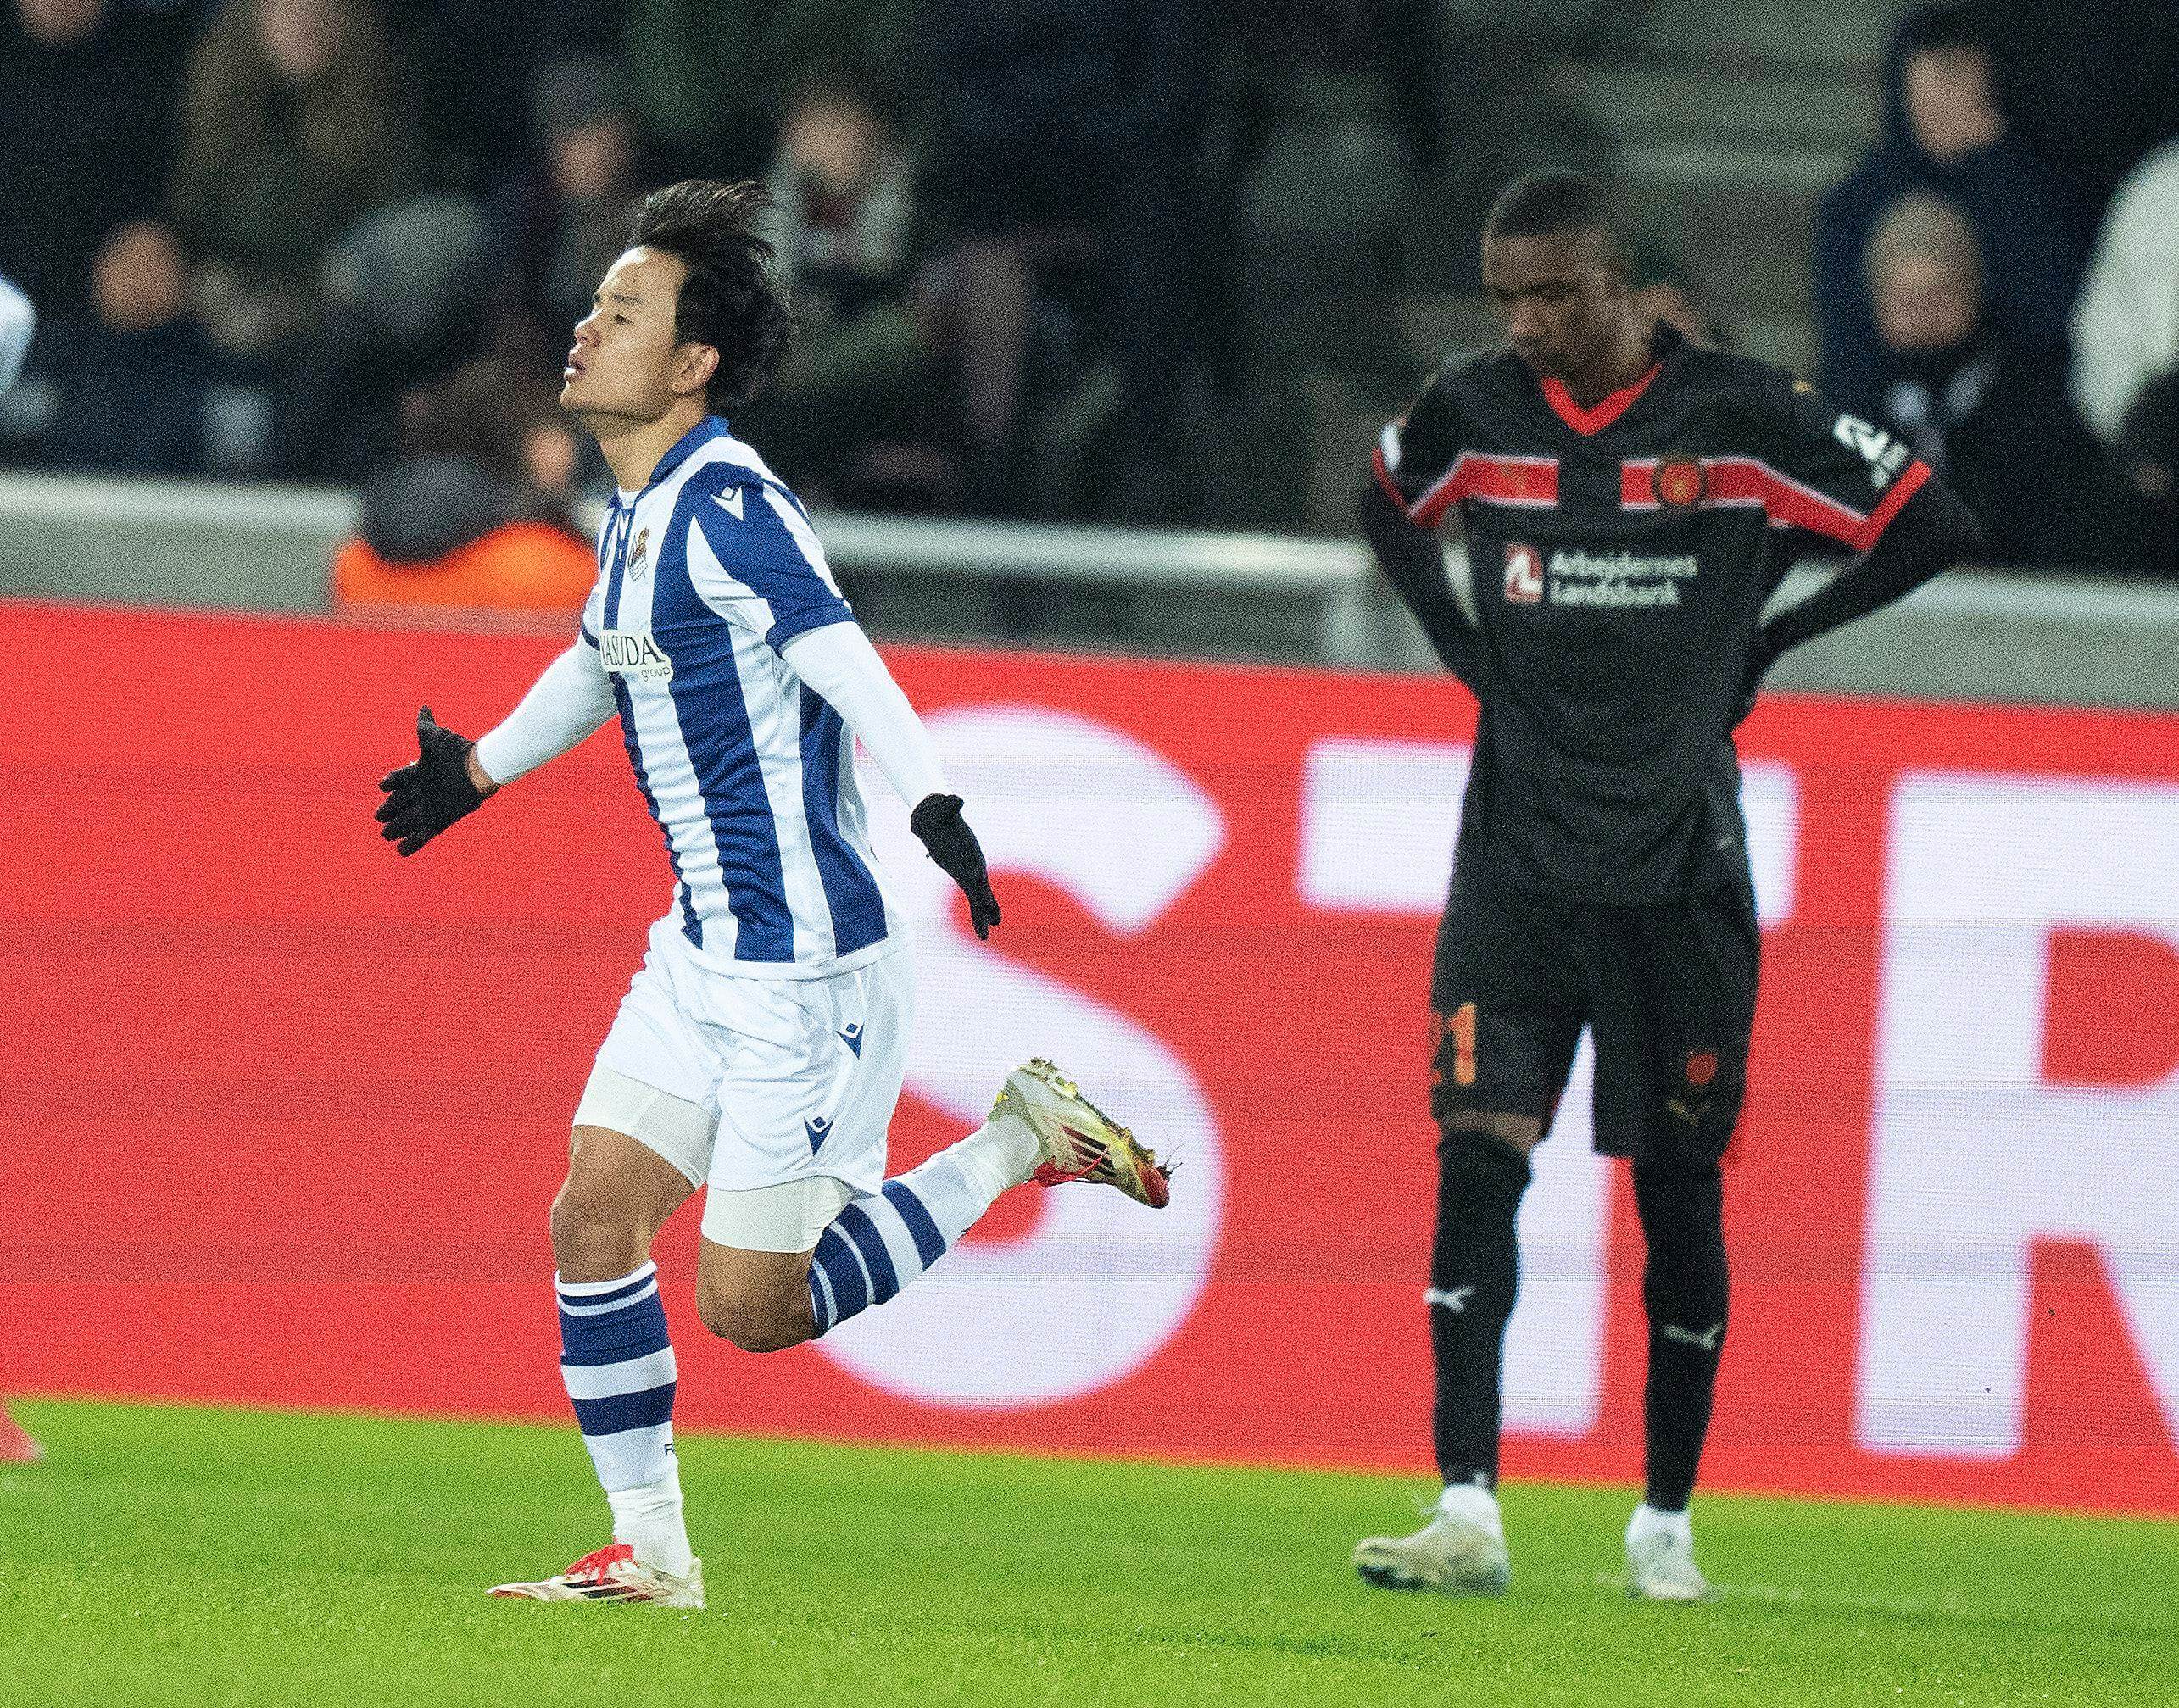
<point>1474,1272</point>
<point>1683,1291</point>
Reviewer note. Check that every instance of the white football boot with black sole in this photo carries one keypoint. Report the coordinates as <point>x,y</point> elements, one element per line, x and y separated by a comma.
<point>1452,1554</point>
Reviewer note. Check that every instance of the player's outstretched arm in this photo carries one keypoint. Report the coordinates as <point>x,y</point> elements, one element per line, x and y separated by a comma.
<point>838,662</point>
<point>1414,564</point>
<point>452,776</point>
<point>563,706</point>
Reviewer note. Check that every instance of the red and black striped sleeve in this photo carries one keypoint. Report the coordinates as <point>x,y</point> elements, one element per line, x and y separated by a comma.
<point>1830,474</point>
<point>1846,481</point>
<point>1418,460</point>
<point>1410,476</point>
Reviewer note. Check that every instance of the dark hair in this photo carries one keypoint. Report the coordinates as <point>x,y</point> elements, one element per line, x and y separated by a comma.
<point>1942,27</point>
<point>1545,204</point>
<point>730,299</point>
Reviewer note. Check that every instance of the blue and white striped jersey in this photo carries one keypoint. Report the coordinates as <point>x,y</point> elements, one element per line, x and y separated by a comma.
<point>703,577</point>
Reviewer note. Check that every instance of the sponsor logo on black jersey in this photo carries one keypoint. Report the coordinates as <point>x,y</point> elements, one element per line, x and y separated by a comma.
<point>1523,575</point>
<point>1608,581</point>
<point>1678,481</point>
<point>1618,580</point>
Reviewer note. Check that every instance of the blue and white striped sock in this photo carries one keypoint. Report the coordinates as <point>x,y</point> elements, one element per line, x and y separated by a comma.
<point>617,1362</point>
<point>878,1244</point>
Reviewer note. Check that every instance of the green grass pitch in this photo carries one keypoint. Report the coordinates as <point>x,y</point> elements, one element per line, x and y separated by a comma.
<point>169,1555</point>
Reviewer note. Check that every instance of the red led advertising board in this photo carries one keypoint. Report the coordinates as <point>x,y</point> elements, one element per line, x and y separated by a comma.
<point>283,1112</point>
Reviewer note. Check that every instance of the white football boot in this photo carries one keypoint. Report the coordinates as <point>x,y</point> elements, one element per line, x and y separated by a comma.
<point>615,1574</point>
<point>1661,1558</point>
<point>1076,1140</point>
<point>1461,1551</point>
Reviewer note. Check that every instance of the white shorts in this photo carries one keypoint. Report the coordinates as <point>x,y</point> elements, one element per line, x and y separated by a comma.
<point>795,1079</point>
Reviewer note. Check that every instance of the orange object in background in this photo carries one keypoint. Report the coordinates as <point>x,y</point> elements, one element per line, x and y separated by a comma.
<point>519,566</point>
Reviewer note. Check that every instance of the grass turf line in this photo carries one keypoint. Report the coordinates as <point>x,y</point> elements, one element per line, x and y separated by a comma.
<point>189,1555</point>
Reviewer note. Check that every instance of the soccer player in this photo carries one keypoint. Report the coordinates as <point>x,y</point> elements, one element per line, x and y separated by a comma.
<point>759,1050</point>
<point>1630,501</point>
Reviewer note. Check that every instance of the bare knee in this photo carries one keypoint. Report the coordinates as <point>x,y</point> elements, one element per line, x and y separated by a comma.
<point>617,1195</point>
<point>754,1322</point>
<point>593,1241</point>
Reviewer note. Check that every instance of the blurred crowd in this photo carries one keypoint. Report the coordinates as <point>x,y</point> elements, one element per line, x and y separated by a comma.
<point>1147,262</point>
<point>1041,252</point>
<point>1997,280</point>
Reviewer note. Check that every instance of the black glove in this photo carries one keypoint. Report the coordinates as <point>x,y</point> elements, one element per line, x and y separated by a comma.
<point>423,798</point>
<point>939,826</point>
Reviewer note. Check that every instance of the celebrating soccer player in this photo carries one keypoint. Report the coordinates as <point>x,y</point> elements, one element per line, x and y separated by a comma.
<point>1630,503</point>
<point>759,1050</point>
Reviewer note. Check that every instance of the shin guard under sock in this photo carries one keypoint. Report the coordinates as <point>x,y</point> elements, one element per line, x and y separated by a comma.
<point>1684,1290</point>
<point>1474,1271</point>
<point>617,1362</point>
<point>882,1242</point>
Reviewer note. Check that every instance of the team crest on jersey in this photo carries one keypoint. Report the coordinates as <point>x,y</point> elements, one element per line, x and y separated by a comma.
<point>1679,482</point>
<point>639,561</point>
<point>1523,575</point>
<point>634,652</point>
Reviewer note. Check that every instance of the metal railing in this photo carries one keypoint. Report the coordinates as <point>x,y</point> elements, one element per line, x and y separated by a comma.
<point>1967,635</point>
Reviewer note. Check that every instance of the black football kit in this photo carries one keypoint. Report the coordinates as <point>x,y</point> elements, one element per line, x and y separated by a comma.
<point>1621,555</point>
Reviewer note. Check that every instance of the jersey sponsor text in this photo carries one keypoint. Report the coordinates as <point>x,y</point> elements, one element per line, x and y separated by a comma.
<point>627,654</point>
<point>1617,581</point>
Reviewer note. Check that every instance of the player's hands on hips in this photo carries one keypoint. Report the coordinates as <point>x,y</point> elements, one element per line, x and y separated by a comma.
<point>1765,653</point>
<point>939,826</point>
<point>424,798</point>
